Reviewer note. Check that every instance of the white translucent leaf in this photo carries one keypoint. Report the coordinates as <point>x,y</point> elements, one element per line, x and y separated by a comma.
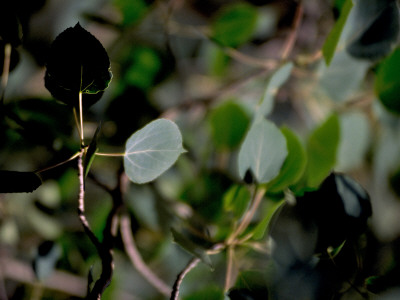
<point>263,151</point>
<point>152,150</point>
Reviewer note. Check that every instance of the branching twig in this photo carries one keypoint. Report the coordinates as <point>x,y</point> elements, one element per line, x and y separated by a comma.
<point>137,260</point>
<point>175,290</point>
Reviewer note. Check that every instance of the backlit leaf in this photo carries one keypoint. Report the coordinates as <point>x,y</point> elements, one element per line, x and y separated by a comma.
<point>152,150</point>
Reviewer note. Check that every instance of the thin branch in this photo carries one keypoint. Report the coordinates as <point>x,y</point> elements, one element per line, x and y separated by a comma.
<point>6,70</point>
<point>258,196</point>
<point>137,261</point>
<point>293,35</point>
<point>229,268</point>
<point>175,290</point>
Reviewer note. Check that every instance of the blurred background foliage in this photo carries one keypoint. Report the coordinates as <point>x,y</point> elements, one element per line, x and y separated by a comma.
<point>204,64</point>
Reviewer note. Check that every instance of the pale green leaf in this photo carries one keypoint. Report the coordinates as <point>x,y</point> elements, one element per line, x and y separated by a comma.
<point>277,79</point>
<point>263,151</point>
<point>152,150</point>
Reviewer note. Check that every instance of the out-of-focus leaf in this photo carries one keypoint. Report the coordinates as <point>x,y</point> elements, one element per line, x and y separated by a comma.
<point>131,11</point>
<point>354,141</point>
<point>321,150</point>
<point>235,24</point>
<point>263,151</point>
<point>332,40</point>
<point>236,199</point>
<point>152,150</point>
<point>77,63</point>
<point>376,29</point>
<point>190,246</point>
<point>209,293</point>
<point>387,85</point>
<point>229,123</point>
<point>277,79</point>
<point>144,63</point>
<point>261,228</point>
<point>294,165</point>
<point>249,285</point>
<point>19,182</point>
<point>46,258</point>
<point>343,77</point>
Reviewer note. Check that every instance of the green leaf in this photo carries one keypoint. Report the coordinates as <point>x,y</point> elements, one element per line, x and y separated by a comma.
<point>77,63</point>
<point>229,123</point>
<point>278,78</point>
<point>235,25</point>
<point>387,84</point>
<point>250,284</point>
<point>19,182</point>
<point>294,165</point>
<point>91,152</point>
<point>209,293</point>
<point>260,229</point>
<point>144,63</point>
<point>263,151</point>
<point>131,11</point>
<point>329,47</point>
<point>322,147</point>
<point>152,150</point>
<point>236,199</point>
<point>191,247</point>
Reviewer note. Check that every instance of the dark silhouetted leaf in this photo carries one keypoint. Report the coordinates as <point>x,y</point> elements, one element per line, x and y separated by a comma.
<point>18,182</point>
<point>77,63</point>
<point>377,29</point>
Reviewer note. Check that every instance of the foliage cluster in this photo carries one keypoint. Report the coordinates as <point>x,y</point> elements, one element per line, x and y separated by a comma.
<point>225,144</point>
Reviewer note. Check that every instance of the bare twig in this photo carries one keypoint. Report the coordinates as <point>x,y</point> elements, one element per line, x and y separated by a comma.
<point>6,70</point>
<point>175,290</point>
<point>137,261</point>
<point>289,44</point>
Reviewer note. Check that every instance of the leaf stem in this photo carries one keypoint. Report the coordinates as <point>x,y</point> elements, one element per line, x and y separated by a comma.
<point>175,290</point>
<point>59,164</point>
<point>81,119</point>
<point>110,154</point>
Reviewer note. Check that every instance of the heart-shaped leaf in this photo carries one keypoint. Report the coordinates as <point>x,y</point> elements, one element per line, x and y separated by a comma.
<point>152,150</point>
<point>77,63</point>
